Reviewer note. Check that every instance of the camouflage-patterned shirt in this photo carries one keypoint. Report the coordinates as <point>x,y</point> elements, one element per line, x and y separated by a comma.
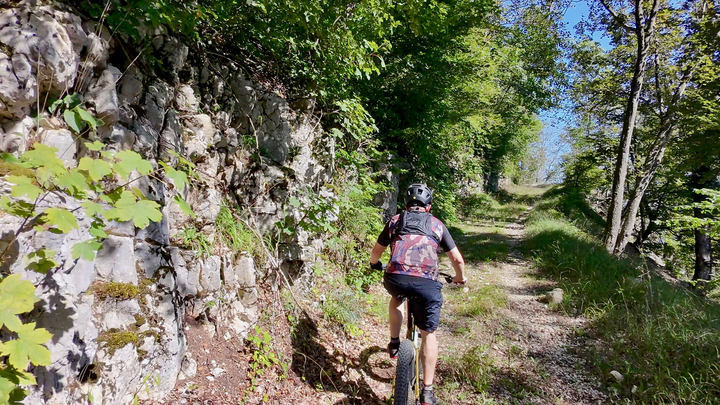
<point>416,255</point>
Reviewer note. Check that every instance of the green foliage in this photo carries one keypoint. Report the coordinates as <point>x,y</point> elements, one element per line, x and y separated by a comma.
<point>475,367</point>
<point>707,218</point>
<point>116,290</point>
<point>263,355</point>
<point>358,225</point>
<point>344,308</point>
<point>36,175</point>
<point>193,239</point>
<point>632,312</point>
<point>235,235</point>
<point>25,342</point>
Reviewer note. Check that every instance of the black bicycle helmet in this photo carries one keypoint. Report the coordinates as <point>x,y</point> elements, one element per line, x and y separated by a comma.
<point>418,194</point>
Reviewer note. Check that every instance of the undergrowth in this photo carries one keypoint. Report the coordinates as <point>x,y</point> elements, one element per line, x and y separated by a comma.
<point>662,338</point>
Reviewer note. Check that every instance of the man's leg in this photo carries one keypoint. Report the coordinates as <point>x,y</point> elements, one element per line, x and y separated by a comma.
<point>396,317</point>
<point>429,355</point>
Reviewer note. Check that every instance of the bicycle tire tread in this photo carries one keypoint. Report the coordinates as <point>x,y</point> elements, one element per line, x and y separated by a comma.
<point>405,374</point>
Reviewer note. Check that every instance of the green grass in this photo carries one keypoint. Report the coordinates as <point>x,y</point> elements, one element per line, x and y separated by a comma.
<point>235,235</point>
<point>483,300</point>
<point>475,367</point>
<point>662,338</point>
<point>480,245</point>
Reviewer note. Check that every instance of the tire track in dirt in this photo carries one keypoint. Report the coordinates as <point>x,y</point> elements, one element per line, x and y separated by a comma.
<point>533,348</point>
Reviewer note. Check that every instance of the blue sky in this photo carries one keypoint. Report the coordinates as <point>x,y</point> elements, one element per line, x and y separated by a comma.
<point>556,120</point>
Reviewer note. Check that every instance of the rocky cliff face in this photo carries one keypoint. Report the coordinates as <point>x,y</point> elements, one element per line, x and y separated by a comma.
<point>118,321</point>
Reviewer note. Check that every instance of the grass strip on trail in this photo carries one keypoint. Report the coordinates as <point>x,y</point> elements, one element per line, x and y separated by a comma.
<point>662,338</point>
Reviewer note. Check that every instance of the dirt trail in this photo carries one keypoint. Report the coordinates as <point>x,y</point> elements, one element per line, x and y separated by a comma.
<point>511,350</point>
<point>541,343</point>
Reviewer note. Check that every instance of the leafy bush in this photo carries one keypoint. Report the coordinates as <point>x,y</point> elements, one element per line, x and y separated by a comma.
<point>634,312</point>
<point>194,239</point>
<point>475,205</point>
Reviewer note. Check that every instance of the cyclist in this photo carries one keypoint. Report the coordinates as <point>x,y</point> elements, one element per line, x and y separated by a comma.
<point>414,237</point>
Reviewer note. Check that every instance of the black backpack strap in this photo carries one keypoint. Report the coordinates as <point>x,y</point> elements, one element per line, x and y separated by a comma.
<point>398,227</point>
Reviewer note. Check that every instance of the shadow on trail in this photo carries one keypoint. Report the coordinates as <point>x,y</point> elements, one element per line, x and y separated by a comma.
<point>481,247</point>
<point>322,370</point>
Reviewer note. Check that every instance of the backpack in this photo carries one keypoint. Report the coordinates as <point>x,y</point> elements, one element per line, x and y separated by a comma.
<point>414,223</point>
<point>414,246</point>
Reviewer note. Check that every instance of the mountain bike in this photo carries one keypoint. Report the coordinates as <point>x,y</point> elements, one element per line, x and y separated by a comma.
<point>407,375</point>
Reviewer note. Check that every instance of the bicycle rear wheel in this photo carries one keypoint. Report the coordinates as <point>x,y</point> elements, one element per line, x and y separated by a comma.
<point>405,375</point>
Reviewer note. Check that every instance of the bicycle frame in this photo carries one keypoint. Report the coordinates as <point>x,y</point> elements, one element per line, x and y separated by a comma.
<point>413,334</point>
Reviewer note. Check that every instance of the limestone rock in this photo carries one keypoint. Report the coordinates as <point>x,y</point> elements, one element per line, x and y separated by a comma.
<point>228,273</point>
<point>188,282</point>
<point>185,101</point>
<point>131,86</point>
<point>553,297</point>
<point>208,208</point>
<point>210,275</point>
<point>149,258</point>
<point>117,137</point>
<point>104,96</point>
<point>116,260</point>
<point>171,139</point>
<point>189,368</point>
<point>64,141</point>
<point>245,272</point>
<point>119,314</point>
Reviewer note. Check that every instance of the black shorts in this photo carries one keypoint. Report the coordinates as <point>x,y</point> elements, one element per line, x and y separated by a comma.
<point>426,296</point>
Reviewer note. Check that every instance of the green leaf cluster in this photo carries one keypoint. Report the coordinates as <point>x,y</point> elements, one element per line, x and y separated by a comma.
<point>25,345</point>
<point>101,184</point>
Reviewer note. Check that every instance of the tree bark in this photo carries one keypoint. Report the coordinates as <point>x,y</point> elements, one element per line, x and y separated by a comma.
<point>657,152</point>
<point>703,243</point>
<point>643,30</point>
<point>703,256</point>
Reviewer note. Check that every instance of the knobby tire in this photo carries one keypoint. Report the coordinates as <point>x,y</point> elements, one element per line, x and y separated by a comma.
<point>405,375</point>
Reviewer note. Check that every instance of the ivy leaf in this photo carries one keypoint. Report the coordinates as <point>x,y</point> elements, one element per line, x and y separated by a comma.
<point>17,208</point>
<point>24,187</point>
<point>28,347</point>
<point>294,202</point>
<point>95,146</point>
<point>92,208</point>
<point>41,260</point>
<point>7,384</point>
<point>54,106</point>
<point>178,177</point>
<point>129,161</point>
<point>71,100</point>
<point>72,118</point>
<point>17,296</point>
<point>63,219</point>
<point>97,168</point>
<point>141,212</point>
<point>184,206</point>
<point>45,156</point>
<point>98,232</point>
<point>86,250</point>
<point>87,117</point>
<point>72,181</point>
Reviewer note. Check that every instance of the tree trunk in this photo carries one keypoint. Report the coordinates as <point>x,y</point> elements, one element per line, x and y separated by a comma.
<point>703,256</point>
<point>492,181</point>
<point>657,152</point>
<point>642,30</point>
<point>703,243</point>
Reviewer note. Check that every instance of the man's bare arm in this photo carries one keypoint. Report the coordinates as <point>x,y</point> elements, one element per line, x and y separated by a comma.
<point>377,252</point>
<point>458,264</point>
